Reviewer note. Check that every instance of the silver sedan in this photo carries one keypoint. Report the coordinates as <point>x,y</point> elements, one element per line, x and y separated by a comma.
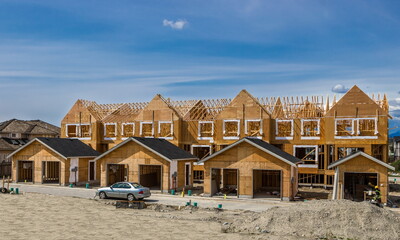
<point>127,190</point>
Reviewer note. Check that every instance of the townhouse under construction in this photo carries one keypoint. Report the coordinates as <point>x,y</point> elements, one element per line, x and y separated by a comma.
<point>316,130</point>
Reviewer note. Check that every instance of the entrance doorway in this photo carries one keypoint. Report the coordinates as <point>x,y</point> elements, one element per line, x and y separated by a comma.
<point>25,171</point>
<point>92,170</point>
<point>150,176</point>
<point>50,172</point>
<point>267,183</point>
<point>356,183</point>
<point>188,174</point>
<point>116,173</point>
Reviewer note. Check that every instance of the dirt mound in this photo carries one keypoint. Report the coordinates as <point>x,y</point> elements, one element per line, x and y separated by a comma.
<point>322,219</point>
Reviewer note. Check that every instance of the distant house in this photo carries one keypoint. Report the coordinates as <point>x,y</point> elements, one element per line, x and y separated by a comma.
<point>396,148</point>
<point>15,133</point>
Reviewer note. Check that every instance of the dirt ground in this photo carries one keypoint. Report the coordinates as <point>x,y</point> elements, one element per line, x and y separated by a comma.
<point>41,216</point>
<point>314,193</point>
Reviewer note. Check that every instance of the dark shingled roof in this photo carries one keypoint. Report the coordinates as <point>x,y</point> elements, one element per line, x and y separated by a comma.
<point>165,148</point>
<point>274,149</point>
<point>8,144</point>
<point>69,147</point>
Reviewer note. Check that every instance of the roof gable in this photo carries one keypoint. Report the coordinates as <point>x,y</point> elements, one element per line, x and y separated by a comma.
<point>355,102</point>
<point>159,109</point>
<point>83,111</point>
<point>161,147</point>
<point>352,156</point>
<point>262,145</point>
<point>243,104</point>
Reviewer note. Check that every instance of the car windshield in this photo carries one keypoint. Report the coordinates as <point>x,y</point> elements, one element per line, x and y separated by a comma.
<point>136,185</point>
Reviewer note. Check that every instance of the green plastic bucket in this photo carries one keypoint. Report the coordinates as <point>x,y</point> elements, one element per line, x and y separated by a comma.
<point>189,192</point>
<point>187,203</point>
<point>220,206</point>
<point>172,192</point>
<point>87,185</point>
<point>16,190</point>
<point>12,189</point>
<point>195,204</point>
<point>71,185</point>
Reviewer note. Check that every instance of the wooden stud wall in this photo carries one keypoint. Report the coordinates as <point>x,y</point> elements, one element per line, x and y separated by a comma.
<point>246,158</point>
<point>360,164</point>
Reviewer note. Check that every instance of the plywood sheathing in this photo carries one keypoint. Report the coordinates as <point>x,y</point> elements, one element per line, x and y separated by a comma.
<point>361,164</point>
<point>356,102</point>
<point>38,153</point>
<point>247,158</point>
<point>132,155</point>
<point>158,109</point>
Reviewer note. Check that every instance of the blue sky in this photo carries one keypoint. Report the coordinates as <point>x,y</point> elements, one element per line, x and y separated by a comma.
<point>55,52</point>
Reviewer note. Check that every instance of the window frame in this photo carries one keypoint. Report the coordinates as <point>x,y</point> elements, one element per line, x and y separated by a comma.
<point>224,129</point>
<point>315,165</point>
<point>246,130</point>
<point>123,132</point>
<point>370,118</point>
<point>171,130</point>
<point>152,128</point>
<point>78,130</point>
<point>277,121</point>
<point>355,128</point>
<point>105,131</point>
<point>199,137</point>
<point>318,129</point>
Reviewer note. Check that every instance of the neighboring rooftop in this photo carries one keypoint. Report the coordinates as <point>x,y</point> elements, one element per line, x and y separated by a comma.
<point>34,127</point>
<point>9,144</point>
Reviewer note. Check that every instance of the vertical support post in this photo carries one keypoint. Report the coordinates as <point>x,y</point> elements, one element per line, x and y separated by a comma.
<point>335,184</point>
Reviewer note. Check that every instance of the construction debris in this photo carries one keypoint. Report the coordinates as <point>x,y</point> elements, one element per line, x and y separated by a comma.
<point>341,219</point>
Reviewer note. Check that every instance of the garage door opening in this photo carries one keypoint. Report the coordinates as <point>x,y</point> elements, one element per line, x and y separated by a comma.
<point>50,172</point>
<point>355,184</point>
<point>267,183</point>
<point>224,182</point>
<point>117,173</point>
<point>25,171</point>
<point>150,176</point>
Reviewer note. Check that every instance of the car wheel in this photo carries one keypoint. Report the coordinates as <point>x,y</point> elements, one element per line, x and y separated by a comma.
<point>131,197</point>
<point>102,195</point>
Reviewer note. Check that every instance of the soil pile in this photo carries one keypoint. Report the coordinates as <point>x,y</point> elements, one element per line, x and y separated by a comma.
<point>322,220</point>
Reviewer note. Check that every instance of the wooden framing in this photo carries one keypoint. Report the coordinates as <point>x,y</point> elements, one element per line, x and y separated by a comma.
<point>133,157</point>
<point>247,158</point>
<point>356,120</point>
<point>364,164</point>
<point>46,166</point>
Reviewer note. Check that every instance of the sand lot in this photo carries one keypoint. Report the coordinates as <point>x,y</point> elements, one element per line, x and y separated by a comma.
<point>41,216</point>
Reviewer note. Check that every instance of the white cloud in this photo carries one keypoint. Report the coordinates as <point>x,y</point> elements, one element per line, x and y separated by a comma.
<point>339,88</point>
<point>178,24</point>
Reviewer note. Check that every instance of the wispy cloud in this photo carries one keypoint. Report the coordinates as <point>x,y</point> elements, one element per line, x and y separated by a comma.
<point>339,88</point>
<point>178,24</point>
